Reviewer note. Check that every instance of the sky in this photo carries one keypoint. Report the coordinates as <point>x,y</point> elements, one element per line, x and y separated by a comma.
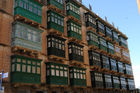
<point>124,14</point>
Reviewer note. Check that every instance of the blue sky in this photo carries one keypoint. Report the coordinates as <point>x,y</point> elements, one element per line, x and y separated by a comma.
<point>125,15</point>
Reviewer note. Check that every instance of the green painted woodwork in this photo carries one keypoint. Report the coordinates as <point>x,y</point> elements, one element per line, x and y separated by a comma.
<point>103,47</point>
<point>57,52</point>
<point>18,77</point>
<point>51,74</point>
<point>116,85</point>
<point>26,36</point>
<point>123,44</point>
<point>93,43</point>
<point>74,30</point>
<point>73,9</point>
<point>111,51</point>
<point>29,9</point>
<point>70,12</point>
<point>74,73</point>
<point>74,34</point>
<point>55,21</point>
<point>25,70</point>
<point>56,3</point>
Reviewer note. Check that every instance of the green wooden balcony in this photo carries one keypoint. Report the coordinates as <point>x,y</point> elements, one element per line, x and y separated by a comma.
<point>103,47</point>
<point>28,10</point>
<point>56,74</point>
<point>57,4</point>
<point>74,34</point>
<point>25,70</point>
<point>77,77</point>
<point>26,36</point>
<point>55,21</point>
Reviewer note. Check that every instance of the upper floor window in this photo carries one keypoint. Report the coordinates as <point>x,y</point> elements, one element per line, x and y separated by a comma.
<point>55,42</point>
<point>101,26</point>
<point>98,77</point>
<point>55,18</point>
<point>30,6</point>
<point>120,66</point>
<point>75,49</point>
<point>108,31</point>
<point>74,27</point>
<point>72,7</point>
<point>117,49</point>
<point>103,42</point>
<point>94,58</point>
<point>90,18</point>
<point>108,79</point>
<point>116,80</point>
<point>92,36</point>
<point>113,64</point>
<point>124,53</point>
<point>123,40</point>
<point>128,69</point>
<point>123,83</point>
<point>115,35</point>
<point>110,46</point>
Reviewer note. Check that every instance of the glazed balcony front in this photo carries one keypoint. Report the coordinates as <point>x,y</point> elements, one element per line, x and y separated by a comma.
<point>128,69</point>
<point>57,3</point>
<point>26,36</point>
<point>113,65</point>
<point>110,48</point>
<point>108,32</point>
<point>130,84</point>
<point>55,21</point>
<point>123,42</point>
<point>120,67</point>
<point>92,39</point>
<point>94,59</point>
<point>25,70</point>
<point>29,9</point>
<point>97,80</point>
<point>56,74</point>
<point>116,82</point>
<point>105,62</point>
<point>56,46</point>
<point>75,52</point>
<point>123,83</point>
<point>100,28</point>
<point>103,44</point>
<point>73,9</point>
<point>74,30</point>
<point>115,36</point>
<point>77,77</point>
<point>108,81</point>
<point>90,20</point>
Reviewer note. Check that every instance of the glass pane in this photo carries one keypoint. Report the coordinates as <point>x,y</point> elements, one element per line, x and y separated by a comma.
<point>18,67</point>
<point>23,68</point>
<point>29,69</point>
<point>33,69</point>
<point>38,70</point>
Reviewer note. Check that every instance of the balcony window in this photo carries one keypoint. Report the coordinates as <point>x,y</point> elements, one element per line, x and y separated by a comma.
<point>56,46</point>
<point>115,36</point>
<point>110,48</point>
<point>74,30</point>
<point>92,39</point>
<point>116,82</point>
<point>55,71</point>
<point>131,84</point>
<point>73,9</point>
<point>123,42</point>
<point>77,76</point>
<point>27,70</point>
<point>108,81</point>
<point>101,27</point>
<point>123,83</point>
<point>120,67</point>
<point>55,21</point>
<point>57,3</point>
<point>75,52</point>
<point>113,65</point>
<point>117,49</point>
<point>94,59</point>
<point>126,54</point>
<point>90,20</point>
<point>105,62</point>
<point>97,79</point>
<point>128,69</point>
<point>30,9</point>
<point>103,44</point>
<point>108,32</point>
<point>26,36</point>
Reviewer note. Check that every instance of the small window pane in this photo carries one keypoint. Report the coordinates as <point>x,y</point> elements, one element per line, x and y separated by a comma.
<point>18,67</point>
<point>23,68</point>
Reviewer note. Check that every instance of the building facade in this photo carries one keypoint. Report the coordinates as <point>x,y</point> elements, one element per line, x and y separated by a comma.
<point>60,46</point>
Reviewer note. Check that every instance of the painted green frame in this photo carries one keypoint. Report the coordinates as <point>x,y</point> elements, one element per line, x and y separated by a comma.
<point>56,4</point>
<point>72,33</point>
<point>77,81</point>
<point>53,24</point>
<point>26,12</point>
<point>25,77</point>
<point>20,36</point>
<point>53,79</point>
